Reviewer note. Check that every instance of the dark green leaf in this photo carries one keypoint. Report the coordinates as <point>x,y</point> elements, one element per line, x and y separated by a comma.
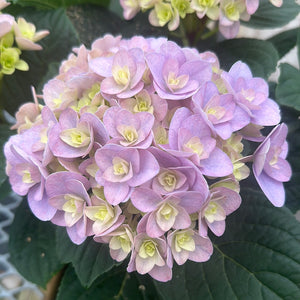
<point>261,56</point>
<point>49,4</point>
<point>32,246</point>
<point>92,22</point>
<point>292,188</point>
<point>257,258</point>
<point>5,133</point>
<point>89,259</point>
<point>53,70</point>
<point>298,46</point>
<point>270,16</point>
<point>16,88</point>
<point>5,190</point>
<point>115,7</point>
<point>288,88</point>
<point>285,41</point>
<point>117,284</point>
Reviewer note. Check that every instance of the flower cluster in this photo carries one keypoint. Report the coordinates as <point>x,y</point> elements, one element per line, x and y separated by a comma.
<point>227,12</point>
<point>140,145</point>
<point>18,32</point>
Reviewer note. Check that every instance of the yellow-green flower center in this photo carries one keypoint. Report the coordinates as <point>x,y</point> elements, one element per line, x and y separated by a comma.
<point>26,178</point>
<point>168,180</point>
<point>75,137</point>
<point>184,240</point>
<point>101,213</point>
<point>195,145</point>
<point>206,3</point>
<point>167,211</point>
<point>120,166</point>
<point>121,75</point>
<point>147,249</point>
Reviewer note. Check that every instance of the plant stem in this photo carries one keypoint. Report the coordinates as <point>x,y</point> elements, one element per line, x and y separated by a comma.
<point>118,296</point>
<point>209,34</point>
<point>183,35</point>
<point>53,285</point>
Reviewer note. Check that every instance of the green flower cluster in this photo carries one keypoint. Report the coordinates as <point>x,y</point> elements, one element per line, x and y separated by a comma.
<point>14,37</point>
<point>227,13</point>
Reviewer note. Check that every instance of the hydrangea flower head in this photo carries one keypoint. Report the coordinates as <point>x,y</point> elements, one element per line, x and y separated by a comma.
<point>228,13</point>
<point>140,146</point>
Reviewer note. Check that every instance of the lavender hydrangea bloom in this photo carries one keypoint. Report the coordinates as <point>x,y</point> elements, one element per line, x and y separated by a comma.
<point>270,167</point>
<point>174,76</point>
<point>67,193</point>
<point>123,72</point>
<point>105,218</point>
<point>191,137</point>
<point>147,102</point>
<point>175,175</point>
<point>187,244</point>
<point>221,202</point>
<point>120,242</point>
<point>72,137</point>
<point>128,129</point>
<point>166,213</point>
<point>251,94</point>
<point>26,173</point>
<point>121,169</point>
<point>150,256</point>
<point>220,112</point>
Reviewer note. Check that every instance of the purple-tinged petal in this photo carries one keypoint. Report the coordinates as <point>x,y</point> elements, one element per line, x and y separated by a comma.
<point>102,66</point>
<point>217,165</point>
<point>74,236</point>
<point>272,188</point>
<point>182,220</point>
<point>280,171</point>
<point>148,168</point>
<point>191,201</point>
<point>152,228</point>
<point>203,251</point>
<point>267,115</point>
<point>145,199</point>
<point>41,209</point>
<point>56,183</point>
<point>116,193</point>
<point>162,274</point>
<point>217,227</point>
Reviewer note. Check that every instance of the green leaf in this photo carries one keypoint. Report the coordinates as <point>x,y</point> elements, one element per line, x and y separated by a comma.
<point>32,246</point>
<point>257,258</point>
<point>50,4</point>
<point>288,88</point>
<point>89,259</point>
<point>298,46</point>
<point>270,16</point>
<point>5,133</point>
<point>92,22</point>
<point>16,88</point>
<point>292,188</point>
<point>261,56</point>
<point>117,284</point>
<point>285,41</point>
<point>5,190</point>
<point>115,7</point>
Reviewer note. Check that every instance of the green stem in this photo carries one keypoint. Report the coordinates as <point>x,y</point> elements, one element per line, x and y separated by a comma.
<point>209,34</point>
<point>118,296</point>
<point>183,35</point>
<point>200,30</point>
<point>2,119</point>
